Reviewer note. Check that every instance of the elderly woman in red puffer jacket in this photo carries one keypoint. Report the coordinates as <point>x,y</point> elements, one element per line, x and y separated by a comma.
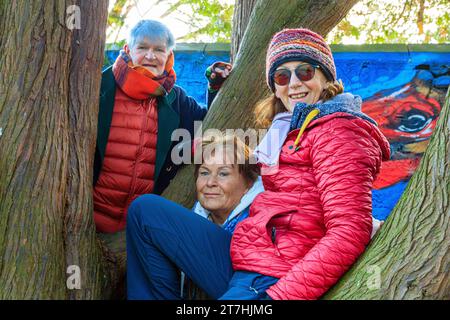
<point>319,160</point>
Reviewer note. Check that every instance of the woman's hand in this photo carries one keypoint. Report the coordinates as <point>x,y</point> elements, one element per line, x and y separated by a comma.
<point>217,74</point>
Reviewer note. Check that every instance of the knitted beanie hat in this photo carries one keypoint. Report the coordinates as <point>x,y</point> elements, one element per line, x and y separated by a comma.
<point>299,45</point>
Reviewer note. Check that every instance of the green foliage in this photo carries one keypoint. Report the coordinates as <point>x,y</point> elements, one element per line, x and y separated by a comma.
<point>206,18</point>
<point>117,16</point>
<point>383,21</point>
<point>370,21</point>
<point>116,45</point>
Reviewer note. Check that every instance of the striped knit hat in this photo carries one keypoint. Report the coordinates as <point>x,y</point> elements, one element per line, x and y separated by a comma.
<point>299,45</point>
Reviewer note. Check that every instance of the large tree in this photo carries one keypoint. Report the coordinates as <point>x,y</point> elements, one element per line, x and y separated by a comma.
<point>409,259</point>
<point>49,83</point>
<point>52,53</point>
<point>50,72</point>
<point>233,106</point>
<point>241,16</point>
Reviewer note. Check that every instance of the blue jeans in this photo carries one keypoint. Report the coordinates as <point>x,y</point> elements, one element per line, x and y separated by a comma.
<point>164,237</point>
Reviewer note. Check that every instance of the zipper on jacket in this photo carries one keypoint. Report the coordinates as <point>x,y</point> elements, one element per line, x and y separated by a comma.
<point>308,119</point>
<point>138,152</point>
<point>273,234</point>
<point>273,237</point>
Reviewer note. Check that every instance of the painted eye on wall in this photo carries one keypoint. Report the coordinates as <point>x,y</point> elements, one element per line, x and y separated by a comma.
<point>414,121</point>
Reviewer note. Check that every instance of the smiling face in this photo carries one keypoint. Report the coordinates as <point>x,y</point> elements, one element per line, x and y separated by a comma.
<point>151,55</point>
<point>220,186</point>
<point>300,91</point>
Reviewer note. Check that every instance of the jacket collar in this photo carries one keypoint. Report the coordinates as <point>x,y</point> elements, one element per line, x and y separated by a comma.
<point>246,201</point>
<point>168,120</point>
<point>344,102</point>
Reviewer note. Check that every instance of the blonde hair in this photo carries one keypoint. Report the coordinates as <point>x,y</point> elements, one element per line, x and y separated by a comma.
<point>268,108</point>
<point>242,154</point>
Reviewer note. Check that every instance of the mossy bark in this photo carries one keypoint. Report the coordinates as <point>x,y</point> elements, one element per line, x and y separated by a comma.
<point>50,67</point>
<point>49,84</point>
<point>243,10</point>
<point>410,256</point>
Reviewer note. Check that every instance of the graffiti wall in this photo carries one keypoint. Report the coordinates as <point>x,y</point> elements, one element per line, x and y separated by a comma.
<point>402,89</point>
<point>404,93</point>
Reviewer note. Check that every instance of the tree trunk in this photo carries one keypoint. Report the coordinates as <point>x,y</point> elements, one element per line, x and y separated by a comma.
<point>49,84</point>
<point>410,257</point>
<point>241,16</point>
<point>50,67</point>
<point>233,106</point>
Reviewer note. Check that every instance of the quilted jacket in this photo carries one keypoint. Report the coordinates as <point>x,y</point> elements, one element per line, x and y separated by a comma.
<point>129,163</point>
<point>132,154</point>
<point>314,219</point>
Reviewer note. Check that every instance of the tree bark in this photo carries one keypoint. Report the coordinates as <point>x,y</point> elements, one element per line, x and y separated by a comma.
<point>241,16</point>
<point>410,256</point>
<point>49,84</point>
<point>233,106</point>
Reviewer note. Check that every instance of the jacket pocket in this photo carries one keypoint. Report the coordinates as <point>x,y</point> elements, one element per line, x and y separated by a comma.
<point>279,224</point>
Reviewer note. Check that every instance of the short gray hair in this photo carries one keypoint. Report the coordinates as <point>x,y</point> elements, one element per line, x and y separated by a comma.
<point>152,30</point>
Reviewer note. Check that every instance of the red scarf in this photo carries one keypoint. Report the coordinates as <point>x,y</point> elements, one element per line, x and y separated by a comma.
<point>139,83</point>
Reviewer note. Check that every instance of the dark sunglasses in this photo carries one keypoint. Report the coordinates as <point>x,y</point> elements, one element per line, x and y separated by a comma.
<point>304,72</point>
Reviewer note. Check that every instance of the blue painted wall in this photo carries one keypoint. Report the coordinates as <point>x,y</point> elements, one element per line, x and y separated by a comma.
<point>403,89</point>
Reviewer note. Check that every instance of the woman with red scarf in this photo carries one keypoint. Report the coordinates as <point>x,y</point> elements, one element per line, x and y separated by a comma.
<point>140,107</point>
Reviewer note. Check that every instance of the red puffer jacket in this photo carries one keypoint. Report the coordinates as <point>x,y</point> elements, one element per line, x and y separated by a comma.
<point>129,163</point>
<point>314,219</point>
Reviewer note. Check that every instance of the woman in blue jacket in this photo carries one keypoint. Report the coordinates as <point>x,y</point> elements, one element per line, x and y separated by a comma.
<point>164,237</point>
